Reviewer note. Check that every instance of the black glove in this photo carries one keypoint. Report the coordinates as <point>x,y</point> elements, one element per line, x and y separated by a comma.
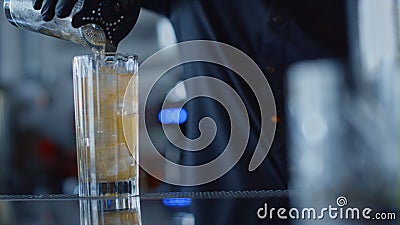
<point>61,8</point>
<point>115,17</point>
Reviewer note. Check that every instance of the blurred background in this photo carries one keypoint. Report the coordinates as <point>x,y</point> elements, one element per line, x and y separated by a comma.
<point>344,133</point>
<point>37,131</point>
<point>37,140</point>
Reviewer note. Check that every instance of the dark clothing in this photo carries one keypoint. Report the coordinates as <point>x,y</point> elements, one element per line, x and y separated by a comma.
<point>275,34</point>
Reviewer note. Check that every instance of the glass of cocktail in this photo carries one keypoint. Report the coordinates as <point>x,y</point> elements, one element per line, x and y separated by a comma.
<point>106,117</point>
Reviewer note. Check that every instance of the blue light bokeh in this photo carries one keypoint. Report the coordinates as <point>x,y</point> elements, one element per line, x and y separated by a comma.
<point>173,116</point>
<point>177,202</point>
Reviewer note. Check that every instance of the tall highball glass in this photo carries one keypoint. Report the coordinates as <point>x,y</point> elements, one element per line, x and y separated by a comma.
<point>106,117</point>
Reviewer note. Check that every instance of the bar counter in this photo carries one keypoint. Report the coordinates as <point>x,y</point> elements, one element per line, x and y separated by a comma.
<point>183,208</point>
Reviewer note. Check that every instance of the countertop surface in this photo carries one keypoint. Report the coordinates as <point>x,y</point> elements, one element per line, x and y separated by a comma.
<point>183,208</point>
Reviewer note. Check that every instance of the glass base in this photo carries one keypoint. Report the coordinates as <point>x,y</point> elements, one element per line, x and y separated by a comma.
<point>117,188</point>
<point>126,188</point>
<point>117,204</point>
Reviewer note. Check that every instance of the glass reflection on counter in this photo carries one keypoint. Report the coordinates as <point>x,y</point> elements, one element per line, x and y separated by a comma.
<point>101,211</point>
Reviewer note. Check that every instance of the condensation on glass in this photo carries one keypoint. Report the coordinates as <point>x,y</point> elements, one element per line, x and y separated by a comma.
<point>106,116</point>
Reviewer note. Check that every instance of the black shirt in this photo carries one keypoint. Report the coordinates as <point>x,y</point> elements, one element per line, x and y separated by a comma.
<point>275,34</point>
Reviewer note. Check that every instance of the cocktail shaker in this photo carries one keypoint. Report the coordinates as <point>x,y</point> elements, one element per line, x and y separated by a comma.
<point>20,13</point>
<point>99,24</point>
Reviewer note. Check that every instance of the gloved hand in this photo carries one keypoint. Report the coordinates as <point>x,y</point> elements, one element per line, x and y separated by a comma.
<point>50,8</point>
<point>115,17</point>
